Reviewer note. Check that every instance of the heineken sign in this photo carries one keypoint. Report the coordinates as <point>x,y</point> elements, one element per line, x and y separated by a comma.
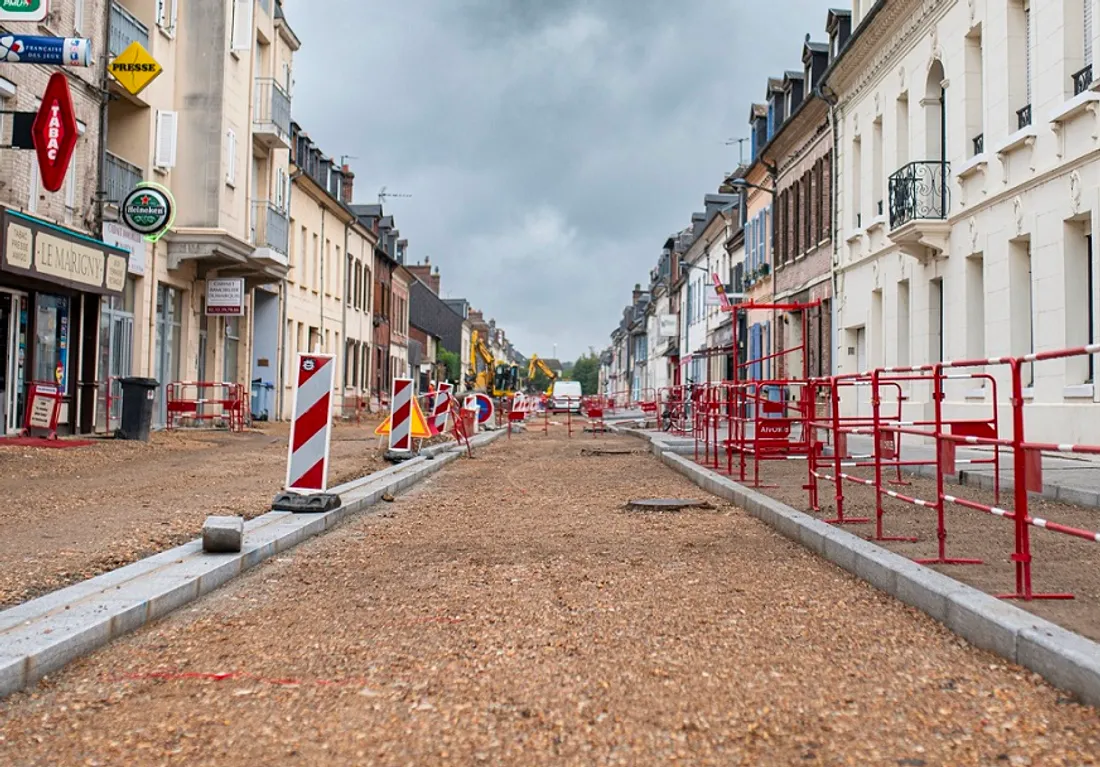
<point>149,210</point>
<point>24,10</point>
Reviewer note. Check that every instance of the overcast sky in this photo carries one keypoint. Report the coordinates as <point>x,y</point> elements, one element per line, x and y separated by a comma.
<point>549,146</point>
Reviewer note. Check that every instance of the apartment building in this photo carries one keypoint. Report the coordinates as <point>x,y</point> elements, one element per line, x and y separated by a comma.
<point>758,183</point>
<point>973,126</point>
<point>329,286</point>
<point>801,149</point>
<point>50,314</point>
<point>215,130</point>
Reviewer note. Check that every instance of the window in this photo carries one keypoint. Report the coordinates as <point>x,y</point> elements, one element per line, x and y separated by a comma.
<point>878,337</point>
<point>975,307</point>
<point>51,339</point>
<point>935,320</point>
<point>232,348</point>
<point>903,324</point>
<point>231,157</point>
<point>1080,316</point>
<point>315,278</point>
<point>1019,65</point>
<point>876,167</point>
<point>242,25</point>
<point>901,137</point>
<point>974,97</point>
<point>857,183</point>
<point>1021,304</point>
<point>1086,27</point>
<point>167,124</point>
<point>167,13</point>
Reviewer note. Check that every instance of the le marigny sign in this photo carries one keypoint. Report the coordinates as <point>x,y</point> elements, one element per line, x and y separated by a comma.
<point>38,249</point>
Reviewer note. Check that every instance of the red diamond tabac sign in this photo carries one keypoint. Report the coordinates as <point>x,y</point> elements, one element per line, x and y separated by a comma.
<point>55,132</point>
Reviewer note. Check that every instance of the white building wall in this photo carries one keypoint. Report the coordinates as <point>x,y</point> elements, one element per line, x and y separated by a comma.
<point>1032,190</point>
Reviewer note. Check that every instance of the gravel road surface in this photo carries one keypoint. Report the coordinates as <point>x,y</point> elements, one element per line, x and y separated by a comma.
<point>72,514</point>
<point>510,611</point>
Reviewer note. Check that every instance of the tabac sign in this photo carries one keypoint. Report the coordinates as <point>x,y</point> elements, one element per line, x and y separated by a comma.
<point>41,250</point>
<point>55,132</point>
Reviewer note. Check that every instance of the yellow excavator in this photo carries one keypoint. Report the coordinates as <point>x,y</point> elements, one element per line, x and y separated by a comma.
<point>538,364</point>
<point>500,379</point>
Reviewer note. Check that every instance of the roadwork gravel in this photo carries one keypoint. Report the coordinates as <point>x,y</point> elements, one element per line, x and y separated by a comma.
<point>71,514</point>
<point>511,611</point>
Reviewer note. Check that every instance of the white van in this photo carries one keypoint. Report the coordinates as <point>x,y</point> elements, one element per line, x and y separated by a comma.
<point>566,395</point>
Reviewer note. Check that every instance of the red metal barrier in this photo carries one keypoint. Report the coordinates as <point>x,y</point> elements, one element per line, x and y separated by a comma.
<point>211,401</point>
<point>791,428</point>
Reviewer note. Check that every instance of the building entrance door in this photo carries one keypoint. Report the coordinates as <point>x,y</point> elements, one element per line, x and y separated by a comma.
<point>13,352</point>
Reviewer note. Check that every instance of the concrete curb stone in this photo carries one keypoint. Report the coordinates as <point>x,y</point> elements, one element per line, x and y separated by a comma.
<point>42,635</point>
<point>1065,659</point>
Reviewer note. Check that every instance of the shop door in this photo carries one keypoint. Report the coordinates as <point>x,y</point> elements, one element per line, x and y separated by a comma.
<point>13,343</point>
<point>167,358</point>
<point>116,346</point>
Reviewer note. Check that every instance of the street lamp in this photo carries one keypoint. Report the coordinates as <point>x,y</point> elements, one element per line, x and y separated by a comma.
<point>741,183</point>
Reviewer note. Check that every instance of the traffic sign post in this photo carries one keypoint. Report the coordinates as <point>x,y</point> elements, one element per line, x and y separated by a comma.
<point>406,420</point>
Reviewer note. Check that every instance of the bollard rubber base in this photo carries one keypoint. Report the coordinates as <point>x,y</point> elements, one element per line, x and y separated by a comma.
<point>398,456</point>
<point>315,503</point>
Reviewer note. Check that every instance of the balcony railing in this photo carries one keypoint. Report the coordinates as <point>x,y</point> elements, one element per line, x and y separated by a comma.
<point>1082,80</point>
<point>1023,117</point>
<point>979,144</point>
<point>270,227</point>
<point>120,178</point>
<point>125,28</point>
<point>919,190</point>
<point>271,106</point>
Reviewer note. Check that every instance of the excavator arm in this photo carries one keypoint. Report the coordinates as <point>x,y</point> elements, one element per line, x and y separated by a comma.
<point>538,364</point>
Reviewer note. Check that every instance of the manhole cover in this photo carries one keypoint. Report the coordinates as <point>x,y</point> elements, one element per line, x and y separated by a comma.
<point>666,504</point>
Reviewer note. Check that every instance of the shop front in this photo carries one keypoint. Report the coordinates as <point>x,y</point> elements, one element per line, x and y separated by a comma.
<point>52,280</point>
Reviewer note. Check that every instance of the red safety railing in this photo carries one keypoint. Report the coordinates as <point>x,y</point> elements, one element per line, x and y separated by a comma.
<point>217,403</point>
<point>816,426</point>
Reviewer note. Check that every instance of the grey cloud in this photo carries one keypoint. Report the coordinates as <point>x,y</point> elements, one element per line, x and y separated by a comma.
<point>550,146</point>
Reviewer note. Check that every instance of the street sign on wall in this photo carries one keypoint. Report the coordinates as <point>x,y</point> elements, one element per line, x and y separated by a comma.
<point>134,68</point>
<point>58,51</point>
<point>24,10</point>
<point>666,325</point>
<point>55,132</point>
<point>225,296</point>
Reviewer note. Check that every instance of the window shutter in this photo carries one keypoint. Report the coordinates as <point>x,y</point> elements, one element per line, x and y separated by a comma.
<point>162,13</point>
<point>70,185</point>
<point>242,25</point>
<point>1027,49</point>
<point>174,18</point>
<point>167,123</point>
<point>764,245</point>
<point>78,16</point>
<point>288,78</point>
<point>1088,31</point>
<point>32,199</point>
<point>286,192</point>
<point>279,188</point>
<point>231,157</point>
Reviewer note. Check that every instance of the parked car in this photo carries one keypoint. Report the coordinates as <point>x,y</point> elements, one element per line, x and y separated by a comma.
<point>566,395</point>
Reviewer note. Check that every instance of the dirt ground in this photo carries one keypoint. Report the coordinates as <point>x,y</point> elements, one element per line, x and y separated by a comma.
<point>71,514</point>
<point>510,611</point>
<point>1061,563</point>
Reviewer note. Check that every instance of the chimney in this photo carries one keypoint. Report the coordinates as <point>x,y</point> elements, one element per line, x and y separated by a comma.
<point>637,291</point>
<point>434,283</point>
<point>346,185</point>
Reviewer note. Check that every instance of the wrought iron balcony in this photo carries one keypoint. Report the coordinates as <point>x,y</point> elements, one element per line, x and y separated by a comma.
<point>1082,80</point>
<point>270,231</point>
<point>1023,117</point>
<point>125,29</point>
<point>919,190</point>
<point>271,114</point>
<point>979,144</point>
<point>120,178</point>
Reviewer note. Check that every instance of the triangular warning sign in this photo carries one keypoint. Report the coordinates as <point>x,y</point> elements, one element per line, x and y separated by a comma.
<point>420,429</point>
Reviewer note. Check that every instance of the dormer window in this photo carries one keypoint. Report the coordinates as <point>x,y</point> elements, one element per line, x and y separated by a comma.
<point>771,118</point>
<point>808,74</point>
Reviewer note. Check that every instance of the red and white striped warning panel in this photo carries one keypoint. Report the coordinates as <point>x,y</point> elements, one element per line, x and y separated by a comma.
<point>406,419</point>
<point>307,455</point>
<point>441,407</point>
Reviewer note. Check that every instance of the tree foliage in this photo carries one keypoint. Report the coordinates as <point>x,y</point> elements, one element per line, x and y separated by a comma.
<point>454,365</point>
<point>587,370</point>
